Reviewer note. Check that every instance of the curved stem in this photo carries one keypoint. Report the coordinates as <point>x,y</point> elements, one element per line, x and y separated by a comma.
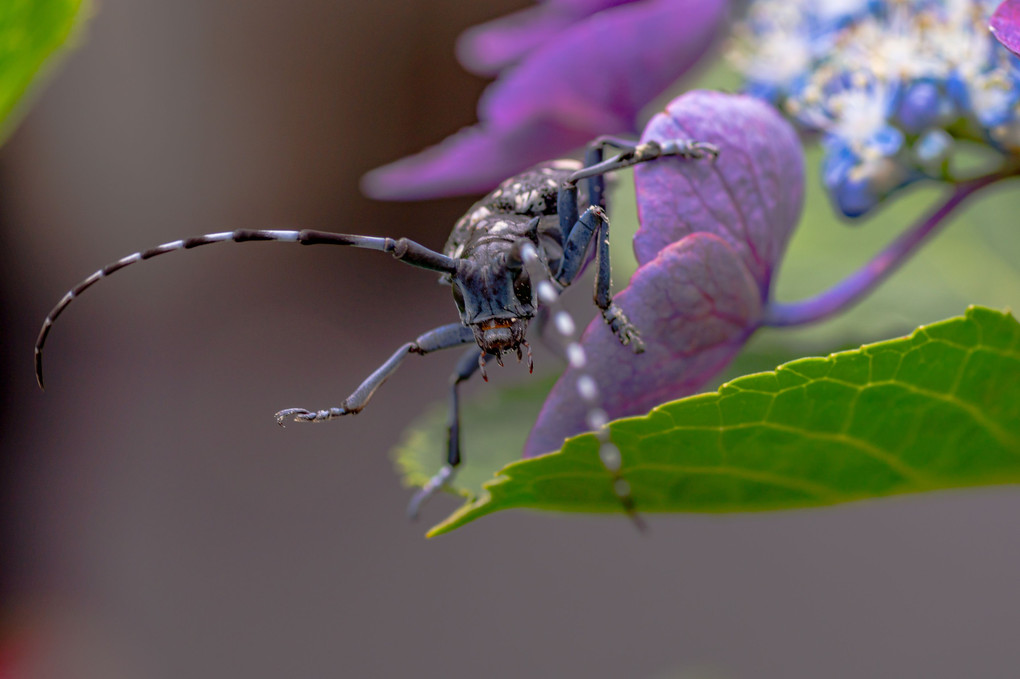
<point>857,285</point>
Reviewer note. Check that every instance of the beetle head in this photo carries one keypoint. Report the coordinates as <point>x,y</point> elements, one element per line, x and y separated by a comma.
<point>494,300</point>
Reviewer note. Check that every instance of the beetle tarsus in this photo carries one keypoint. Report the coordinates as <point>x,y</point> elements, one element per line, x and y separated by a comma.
<point>431,487</point>
<point>302,415</point>
<point>624,330</point>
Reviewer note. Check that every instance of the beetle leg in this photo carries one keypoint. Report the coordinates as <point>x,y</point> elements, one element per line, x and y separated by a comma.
<point>642,153</point>
<point>578,232</point>
<point>466,367</point>
<point>632,153</point>
<point>594,224</point>
<point>442,337</point>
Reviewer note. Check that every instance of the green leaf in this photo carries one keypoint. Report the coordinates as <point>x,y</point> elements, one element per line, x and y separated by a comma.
<point>31,31</point>
<point>494,428</point>
<point>938,409</point>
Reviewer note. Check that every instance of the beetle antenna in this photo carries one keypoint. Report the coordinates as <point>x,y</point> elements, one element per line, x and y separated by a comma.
<point>587,388</point>
<point>403,249</point>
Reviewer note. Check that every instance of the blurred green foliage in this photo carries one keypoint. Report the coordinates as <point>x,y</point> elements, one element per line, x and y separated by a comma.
<point>31,33</point>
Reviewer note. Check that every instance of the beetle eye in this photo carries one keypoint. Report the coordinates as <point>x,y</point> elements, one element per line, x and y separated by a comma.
<point>522,286</point>
<point>458,297</point>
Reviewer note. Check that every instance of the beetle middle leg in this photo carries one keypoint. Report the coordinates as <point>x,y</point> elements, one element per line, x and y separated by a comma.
<point>577,230</point>
<point>594,224</point>
<point>443,337</point>
<point>577,237</point>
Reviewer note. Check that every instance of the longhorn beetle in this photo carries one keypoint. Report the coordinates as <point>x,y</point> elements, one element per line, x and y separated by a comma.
<point>484,263</point>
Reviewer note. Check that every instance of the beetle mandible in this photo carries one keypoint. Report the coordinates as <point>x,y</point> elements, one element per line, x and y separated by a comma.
<point>482,262</point>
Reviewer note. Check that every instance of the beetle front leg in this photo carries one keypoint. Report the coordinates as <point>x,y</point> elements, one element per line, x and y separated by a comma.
<point>613,315</point>
<point>442,337</point>
<point>594,223</point>
<point>466,367</point>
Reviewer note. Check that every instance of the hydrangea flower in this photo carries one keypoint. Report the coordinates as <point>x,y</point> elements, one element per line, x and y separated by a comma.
<point>711,237</point>
<point>569,71</point>
<point>1005,25</point>
<point>890,85</point>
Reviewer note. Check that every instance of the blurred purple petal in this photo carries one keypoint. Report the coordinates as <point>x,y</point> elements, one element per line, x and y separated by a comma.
<point>488,48</point>
<point>584,7</point>
<point>711,237</point>
<point>590,78</point>
<point>608,66</point>
<point>751,196</point>
<point>695,304</point>
<point>1005,25</point>
<point>470,161</point>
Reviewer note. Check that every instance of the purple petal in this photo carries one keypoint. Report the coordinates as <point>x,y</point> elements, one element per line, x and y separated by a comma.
<point>472,161</point>
<point>751,196</point>
<point>1005,25</point>
<point>592,78</point>
<point>606,67</point>
<point>695,303</point>
<point>488,48</point>
<point>584,7</point>
<point>711,236</point>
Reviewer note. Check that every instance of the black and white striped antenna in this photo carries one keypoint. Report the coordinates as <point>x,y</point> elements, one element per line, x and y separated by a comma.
<point>402,248</point>
<point>586,387</point>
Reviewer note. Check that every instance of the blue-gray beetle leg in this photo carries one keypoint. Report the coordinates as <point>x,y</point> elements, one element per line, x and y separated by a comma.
<point>442,337</point>
<point>467,366</point>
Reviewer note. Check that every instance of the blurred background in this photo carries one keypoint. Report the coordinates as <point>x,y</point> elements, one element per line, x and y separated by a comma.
<point>156,522</point>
